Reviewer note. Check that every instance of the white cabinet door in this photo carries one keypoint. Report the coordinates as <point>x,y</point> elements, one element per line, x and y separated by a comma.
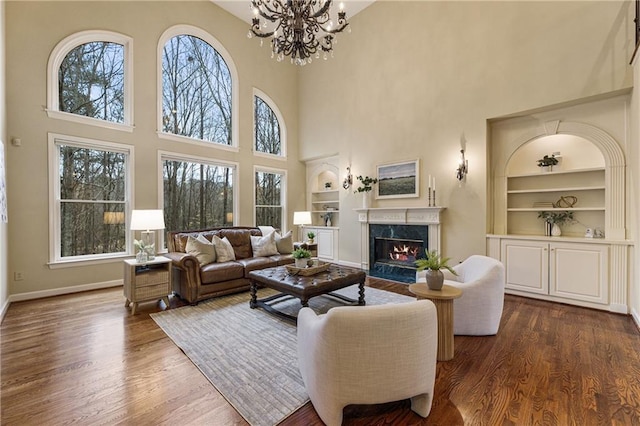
<point>526,265</point>
<point>579,271</point>
<point>325,244</point>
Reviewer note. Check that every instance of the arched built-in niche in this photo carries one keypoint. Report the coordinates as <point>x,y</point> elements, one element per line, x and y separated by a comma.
<point>582,146</point>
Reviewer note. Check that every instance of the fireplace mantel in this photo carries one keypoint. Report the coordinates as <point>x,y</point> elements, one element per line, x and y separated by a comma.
<point>401,216</point>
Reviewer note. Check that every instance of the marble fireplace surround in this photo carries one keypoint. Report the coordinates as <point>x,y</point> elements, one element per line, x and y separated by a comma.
<point>402,216</point>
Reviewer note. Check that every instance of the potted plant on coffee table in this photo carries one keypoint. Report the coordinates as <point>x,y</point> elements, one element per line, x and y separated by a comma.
<point>433,263</point>
<point>301,257</point>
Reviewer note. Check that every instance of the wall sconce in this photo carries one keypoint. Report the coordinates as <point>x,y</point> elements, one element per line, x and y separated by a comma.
<point>348,181</point>
<point>463,167</point>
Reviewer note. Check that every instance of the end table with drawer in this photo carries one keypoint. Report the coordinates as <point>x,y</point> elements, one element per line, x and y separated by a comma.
<point>147,281</point>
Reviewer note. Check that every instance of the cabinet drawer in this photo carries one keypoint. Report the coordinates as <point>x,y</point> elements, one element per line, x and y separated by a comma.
<point>156,291</point>
<point>152,277</point>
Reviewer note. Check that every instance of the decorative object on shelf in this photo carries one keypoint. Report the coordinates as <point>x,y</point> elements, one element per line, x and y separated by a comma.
<point>431,193</point>
<point>348,180</point>
<point>327,185</point>
<point>366,186</point>
<point>553,220</point>
<point>147,221</point>
<point>327,218</point>
<point>398,180</point>
<point>433,263</point>
<point>588,233</point>
<point>301,257</point>
<point>463,167</point>
<point>566,202</point>
<point>301,219</point>
<point>311,235</point>
<point>546,163</point>
<point>297,25</point>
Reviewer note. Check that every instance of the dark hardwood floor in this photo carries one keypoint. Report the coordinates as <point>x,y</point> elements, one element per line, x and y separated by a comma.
<point>82,359</point>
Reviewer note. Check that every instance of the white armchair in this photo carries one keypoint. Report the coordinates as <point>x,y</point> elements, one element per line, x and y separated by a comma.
<point>368,355</point>
<point>479,310</point>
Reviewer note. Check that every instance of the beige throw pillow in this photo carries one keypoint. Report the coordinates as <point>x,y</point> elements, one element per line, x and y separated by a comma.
<point>264,246</point>
<point>224,249</point>
<point>284,243</point>
<point>202,249</point>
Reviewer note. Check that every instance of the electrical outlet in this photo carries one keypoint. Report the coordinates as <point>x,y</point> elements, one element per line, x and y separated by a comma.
<point>17,276</point>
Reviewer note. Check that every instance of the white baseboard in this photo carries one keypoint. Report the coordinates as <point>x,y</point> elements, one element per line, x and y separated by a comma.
<point>636,317</point>
<point>63,290</point>
<point>618,308</point>
<point>349,264</point>
<point>4,309</point>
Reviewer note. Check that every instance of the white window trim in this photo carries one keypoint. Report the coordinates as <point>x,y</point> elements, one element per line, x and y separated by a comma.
<point>174,156</point>
<point>55,259</point>
<point>283,128</point>
<point>235,86</point>
<point>55,60</point>
<point>283,193</point>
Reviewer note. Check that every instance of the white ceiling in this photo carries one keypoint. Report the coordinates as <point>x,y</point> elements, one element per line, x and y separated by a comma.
<point>242,8</point>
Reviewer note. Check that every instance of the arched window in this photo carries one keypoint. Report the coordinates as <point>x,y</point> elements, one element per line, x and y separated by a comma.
<point>198,90</point>
<point>89,79</point>
<point>269,131</point>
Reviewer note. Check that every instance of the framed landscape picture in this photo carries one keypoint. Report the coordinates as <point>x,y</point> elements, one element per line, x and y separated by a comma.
<point>398,180</point>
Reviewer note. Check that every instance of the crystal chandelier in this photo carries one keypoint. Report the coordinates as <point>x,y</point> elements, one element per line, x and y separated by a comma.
<point>302,29</point>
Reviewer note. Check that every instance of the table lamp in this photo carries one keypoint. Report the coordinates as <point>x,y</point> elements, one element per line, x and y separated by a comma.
<point>147,221</point>
<point>301,219</point>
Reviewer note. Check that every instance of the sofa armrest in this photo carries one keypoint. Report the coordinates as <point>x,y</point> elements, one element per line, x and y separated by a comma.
<point>187,282</point>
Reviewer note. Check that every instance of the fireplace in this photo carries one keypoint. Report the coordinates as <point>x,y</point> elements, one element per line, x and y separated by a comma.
<point>411,224</point>
<point>393,250</point>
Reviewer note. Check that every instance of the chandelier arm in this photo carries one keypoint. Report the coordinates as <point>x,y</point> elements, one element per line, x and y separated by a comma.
<point>324,9</point>
<point>277,13</point>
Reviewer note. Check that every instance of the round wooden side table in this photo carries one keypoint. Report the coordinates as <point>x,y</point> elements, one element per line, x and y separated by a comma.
<point>443,299</point>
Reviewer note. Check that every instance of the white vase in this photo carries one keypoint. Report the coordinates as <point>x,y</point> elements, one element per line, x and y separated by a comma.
<point>555,230</point>
<point>366,199</point>
<point>328,222</point>
<point>301,263</point>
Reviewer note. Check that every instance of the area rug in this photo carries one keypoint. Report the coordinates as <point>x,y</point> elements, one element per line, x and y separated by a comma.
<point>250,356</point>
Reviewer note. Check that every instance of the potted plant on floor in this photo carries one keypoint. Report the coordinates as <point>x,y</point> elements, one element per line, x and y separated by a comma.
<point>433,263</point>
<point>302,257</point>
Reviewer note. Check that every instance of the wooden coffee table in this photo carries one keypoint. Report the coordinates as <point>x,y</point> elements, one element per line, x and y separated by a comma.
<point>304,287</point>
<point>443,299</point>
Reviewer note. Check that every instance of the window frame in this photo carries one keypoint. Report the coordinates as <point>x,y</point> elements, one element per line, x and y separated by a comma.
<point>191,30</point>
<point>55,258</point>
<point>58,55</point>
<point>283,128</point>
<point>283,193</point>
<point>176,156</point>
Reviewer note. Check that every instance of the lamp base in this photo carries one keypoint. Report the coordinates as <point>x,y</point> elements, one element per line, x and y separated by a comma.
<point>149,240</point>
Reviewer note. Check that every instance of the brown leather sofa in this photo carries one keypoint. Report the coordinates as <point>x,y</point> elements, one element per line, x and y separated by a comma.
<point>194,283</point>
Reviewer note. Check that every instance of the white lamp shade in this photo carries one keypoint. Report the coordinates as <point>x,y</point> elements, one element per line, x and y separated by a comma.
<point>145,220</point>
<point>302,218</point>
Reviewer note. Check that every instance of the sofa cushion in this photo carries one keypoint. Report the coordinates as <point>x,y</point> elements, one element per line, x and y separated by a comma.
<point>219,272</point>
<point>264,246</point>
<point>224,249</point>
<point>240,240</point>
<point>254,263</point>
<point>284,243</point>
<point>202,249</point>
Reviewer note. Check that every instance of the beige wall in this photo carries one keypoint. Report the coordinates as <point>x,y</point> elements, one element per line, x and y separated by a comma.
<point>418,79</point>
<point>33,29</point>
<point>4,290</point>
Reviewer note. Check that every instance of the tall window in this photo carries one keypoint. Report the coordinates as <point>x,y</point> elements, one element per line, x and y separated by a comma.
<point>89,79</point>
<point>270,196</point>
<point>197,195</point>
<point>90,181</point>
<point>196,91</point>
<point>268,135</point>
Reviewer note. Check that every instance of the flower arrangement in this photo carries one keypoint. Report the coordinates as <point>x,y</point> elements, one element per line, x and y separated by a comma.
<point>558,218</point>
<point>366,183</point>
<point>434,262</point>
<point>547,161</point>
<point>140,245</point>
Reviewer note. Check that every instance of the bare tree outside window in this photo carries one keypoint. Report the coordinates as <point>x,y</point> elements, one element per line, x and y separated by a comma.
<point>267,128</point>
<point>197,195</point>
<point>196,91</point>
<point>269,199</point>
<point>91,81</point>
<point>92,201</point>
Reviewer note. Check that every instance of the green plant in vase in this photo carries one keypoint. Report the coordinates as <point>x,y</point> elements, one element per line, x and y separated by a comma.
<point>432,264</point>
<point>311,235</point>
<point>301,256</point>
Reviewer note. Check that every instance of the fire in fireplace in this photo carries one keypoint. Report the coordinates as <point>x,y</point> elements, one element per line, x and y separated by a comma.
<point>394,248</point>
<point>396,251</point>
